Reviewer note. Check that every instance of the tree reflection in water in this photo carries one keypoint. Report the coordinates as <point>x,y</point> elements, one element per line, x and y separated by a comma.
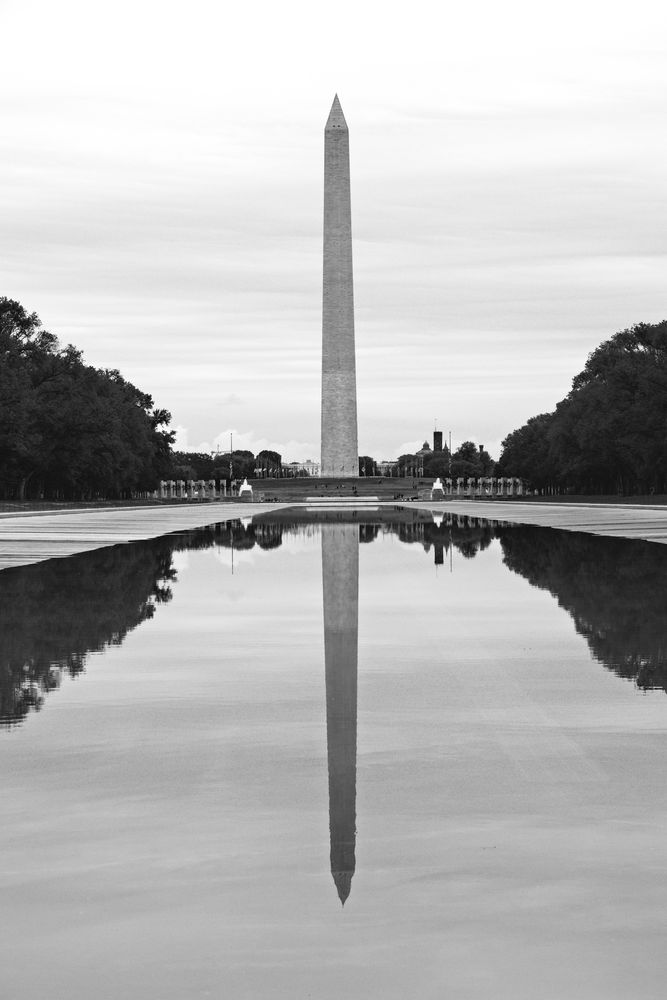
<point>615,590</point>
<point>57,612</point>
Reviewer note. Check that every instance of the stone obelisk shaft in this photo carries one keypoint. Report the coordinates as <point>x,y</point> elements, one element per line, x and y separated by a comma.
<point>340,584</point>
<point>340,454</point>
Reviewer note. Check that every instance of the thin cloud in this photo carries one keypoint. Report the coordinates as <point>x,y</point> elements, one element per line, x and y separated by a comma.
<point>507,193</point>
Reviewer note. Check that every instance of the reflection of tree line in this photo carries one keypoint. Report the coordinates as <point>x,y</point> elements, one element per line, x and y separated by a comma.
<point>469,535</point>
<point>615,590</point>
<point>242,533</point>
<point>56,612</point>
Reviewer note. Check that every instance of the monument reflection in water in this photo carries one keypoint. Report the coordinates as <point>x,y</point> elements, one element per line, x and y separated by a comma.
<point>165,813</point>
<point>56,613</point>
<point>340,588</point>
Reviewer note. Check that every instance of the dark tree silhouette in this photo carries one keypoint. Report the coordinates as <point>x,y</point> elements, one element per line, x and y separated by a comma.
<point>68,430</point>
<point>608,434</point>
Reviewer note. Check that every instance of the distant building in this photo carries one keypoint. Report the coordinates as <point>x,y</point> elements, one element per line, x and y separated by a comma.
<point>307,468</point>
<point>424,450</point>
<point>437,440</point>
<point>387,468</point>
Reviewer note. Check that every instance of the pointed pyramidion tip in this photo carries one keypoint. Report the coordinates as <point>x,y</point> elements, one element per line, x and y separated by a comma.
<point>336,120</point>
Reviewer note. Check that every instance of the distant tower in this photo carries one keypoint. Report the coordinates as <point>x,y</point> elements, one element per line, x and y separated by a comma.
<point>437,440</point>
<point>340,452</point>
<point>340,586</point>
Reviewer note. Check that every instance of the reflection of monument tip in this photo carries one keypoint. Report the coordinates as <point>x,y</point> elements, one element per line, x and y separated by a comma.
<point>343,883</point>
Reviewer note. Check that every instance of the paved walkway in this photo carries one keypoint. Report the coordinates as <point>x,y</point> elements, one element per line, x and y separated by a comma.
<point>33,536</point>
<point>621,520</point>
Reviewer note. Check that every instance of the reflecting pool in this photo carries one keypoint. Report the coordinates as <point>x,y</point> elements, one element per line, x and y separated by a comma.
<point>309,755</point>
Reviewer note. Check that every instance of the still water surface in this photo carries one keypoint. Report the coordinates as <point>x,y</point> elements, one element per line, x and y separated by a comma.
<point>211,740</point>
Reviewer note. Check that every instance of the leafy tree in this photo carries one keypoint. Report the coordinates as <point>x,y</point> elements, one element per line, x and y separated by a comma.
<point>270,461</point>
<point>526,452</point>
<point>68,429</point>
<point>608,434</point>
<point>437,464</point>
<point>408,465</point>
<point>470,461</point>
<point>185,472</point>
<point>197,465</point>
<point>242,462</point>
<point>467,452</point>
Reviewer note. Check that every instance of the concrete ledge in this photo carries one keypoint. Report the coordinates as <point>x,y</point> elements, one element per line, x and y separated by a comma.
<point>34,536</point>
<point>616,520</point>
<point>341,501</point>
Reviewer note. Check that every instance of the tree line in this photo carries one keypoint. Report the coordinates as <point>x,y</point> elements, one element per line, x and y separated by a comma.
<point>72,431</point>
<point>468,461</point>
<point>69,430</point>
<point>237,464</point>
<point>609,433</point>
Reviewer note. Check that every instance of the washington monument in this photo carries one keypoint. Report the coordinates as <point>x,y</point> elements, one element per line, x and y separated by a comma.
<point>340,454</point>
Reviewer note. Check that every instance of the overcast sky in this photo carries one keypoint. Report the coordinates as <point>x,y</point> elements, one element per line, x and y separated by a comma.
<point>161,201</point>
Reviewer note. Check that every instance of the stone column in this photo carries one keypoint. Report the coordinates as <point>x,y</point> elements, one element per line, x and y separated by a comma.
<point>340,453</point>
